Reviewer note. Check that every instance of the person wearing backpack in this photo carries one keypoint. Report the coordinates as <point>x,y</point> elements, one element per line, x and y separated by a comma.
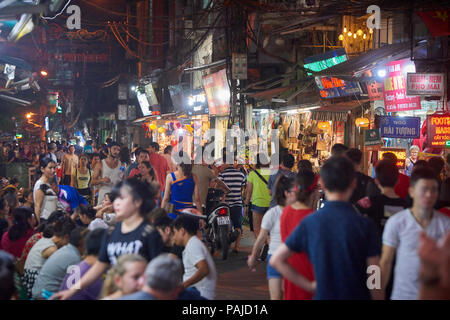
<point>257,192</point>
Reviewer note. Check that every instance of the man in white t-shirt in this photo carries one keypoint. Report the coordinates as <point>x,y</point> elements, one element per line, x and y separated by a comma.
<point>402,233</point>
<point>199,268</point>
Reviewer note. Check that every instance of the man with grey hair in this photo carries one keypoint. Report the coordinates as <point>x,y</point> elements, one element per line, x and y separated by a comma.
<point>162,280</point>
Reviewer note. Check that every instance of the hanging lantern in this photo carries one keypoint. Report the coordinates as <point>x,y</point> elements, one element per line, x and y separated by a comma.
<point>349,33</point>
<point>153,126</point>
<point>362,122</point>
<point>323,125</point>
<point>359,32</point>
<point>341,37</point>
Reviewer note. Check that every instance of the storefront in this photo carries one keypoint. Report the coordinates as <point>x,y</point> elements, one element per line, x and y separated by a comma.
<point>403,104</point>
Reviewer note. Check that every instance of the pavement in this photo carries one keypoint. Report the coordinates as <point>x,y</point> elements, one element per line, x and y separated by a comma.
<point>235,280</point>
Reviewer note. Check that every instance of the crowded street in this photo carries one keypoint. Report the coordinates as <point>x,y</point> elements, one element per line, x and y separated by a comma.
<point>244,151</point>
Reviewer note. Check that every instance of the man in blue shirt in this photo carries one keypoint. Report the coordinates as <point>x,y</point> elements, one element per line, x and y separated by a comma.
<point>340,243</point>
<point>68,197</point>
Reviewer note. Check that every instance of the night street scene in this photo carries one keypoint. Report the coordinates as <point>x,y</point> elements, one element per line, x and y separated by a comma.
<point>240,151</point>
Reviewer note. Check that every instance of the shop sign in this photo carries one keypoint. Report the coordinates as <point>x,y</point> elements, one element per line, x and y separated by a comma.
<point>395,98</point>
<point>196,103</point>
<point>438,130</point>
<point>372,137</point>
<point>340,132</point>
<point>447,144</point>
<point>217,93</point>
<point>331,87</point>
<point>425,84</point>
<point>375,90</point>
<point>399,153</point>
<point>400,127</point>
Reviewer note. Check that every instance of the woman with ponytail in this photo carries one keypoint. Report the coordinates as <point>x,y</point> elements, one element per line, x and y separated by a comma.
<point>284,196</point>
<point>13,241</point>
<point>132,234</point>
<point>292,216</point>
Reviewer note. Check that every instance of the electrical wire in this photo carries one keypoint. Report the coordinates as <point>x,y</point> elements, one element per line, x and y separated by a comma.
<point>141,41</point>
<point>163,18</point>
<point>124,45</point>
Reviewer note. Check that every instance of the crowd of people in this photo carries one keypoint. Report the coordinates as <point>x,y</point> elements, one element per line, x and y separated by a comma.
<point>97,225</point>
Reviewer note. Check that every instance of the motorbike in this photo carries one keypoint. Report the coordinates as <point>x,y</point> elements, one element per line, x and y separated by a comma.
<point>219,233</point>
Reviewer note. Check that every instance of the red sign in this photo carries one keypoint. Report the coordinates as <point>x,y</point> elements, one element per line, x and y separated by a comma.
<point>395,98</point>
<point>438,130</point>
<point>340,131</point>
<point>375,90</point>
<point>217,93</point>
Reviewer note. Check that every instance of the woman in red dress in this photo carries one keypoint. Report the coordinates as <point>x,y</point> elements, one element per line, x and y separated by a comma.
<point>291,217</point>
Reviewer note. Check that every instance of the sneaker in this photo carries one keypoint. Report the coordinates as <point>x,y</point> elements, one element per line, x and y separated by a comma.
<point>264,252</point>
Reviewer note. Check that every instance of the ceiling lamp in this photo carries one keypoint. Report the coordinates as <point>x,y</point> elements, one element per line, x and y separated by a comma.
<point>370,30</point>
<point>354,36</point>
<point>324,125</point>
<point>341,37</point>
<point>359,32</point>
<point>362,122</point>
<point>345,29</point>
<point>349,33</point>
<point>364,36</point>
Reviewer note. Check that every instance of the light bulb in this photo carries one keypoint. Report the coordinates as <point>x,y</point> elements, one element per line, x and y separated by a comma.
<point>354,36</point>
<point>371,30</point>
<point>349,33</point>
<point>364,36</point>
<point>345,29</point>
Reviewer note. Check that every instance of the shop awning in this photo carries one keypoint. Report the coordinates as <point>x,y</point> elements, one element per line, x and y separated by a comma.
<point>156,117</point>
<point>355,67</point>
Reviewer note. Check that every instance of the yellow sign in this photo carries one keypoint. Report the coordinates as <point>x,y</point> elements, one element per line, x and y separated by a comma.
<point>399,153</point>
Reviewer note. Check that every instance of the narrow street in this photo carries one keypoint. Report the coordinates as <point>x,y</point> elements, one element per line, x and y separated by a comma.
<point>236,281</point>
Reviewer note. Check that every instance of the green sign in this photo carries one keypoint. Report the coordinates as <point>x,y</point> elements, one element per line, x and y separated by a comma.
<point>447,144</point>
<point>325,64</point>
<point>372,137</point>
<point>19,136</point>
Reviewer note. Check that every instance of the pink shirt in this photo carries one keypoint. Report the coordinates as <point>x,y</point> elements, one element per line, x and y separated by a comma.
<point>161,167</point>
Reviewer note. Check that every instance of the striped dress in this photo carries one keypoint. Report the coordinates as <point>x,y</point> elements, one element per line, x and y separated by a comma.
<point>234,179</point>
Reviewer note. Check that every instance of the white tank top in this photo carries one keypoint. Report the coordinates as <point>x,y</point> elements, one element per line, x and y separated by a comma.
<point>115,175</point>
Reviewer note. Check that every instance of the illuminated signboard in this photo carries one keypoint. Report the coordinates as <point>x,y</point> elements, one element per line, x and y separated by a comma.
<point>428,84</point>
<point>217,93</point>
<point>331,87</point>
<point>438,130</point>
<point>395,98</point>
<point>399,153</point>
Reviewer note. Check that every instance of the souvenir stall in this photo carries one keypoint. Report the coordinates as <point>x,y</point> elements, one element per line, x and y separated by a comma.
<point>181,133</point>
<point>309,135</point>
